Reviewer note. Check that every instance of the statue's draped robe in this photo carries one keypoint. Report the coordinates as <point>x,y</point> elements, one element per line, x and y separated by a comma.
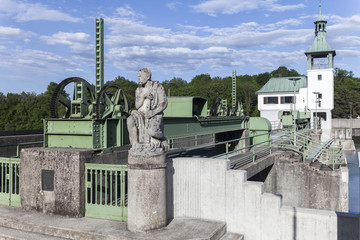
<point>141,122</point>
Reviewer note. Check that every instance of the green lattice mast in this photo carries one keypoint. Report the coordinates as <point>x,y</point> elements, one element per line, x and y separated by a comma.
<point>99,54</point>
<point>233,92</point>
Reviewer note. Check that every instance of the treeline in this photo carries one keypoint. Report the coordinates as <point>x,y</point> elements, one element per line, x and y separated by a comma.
<point>26,110</point>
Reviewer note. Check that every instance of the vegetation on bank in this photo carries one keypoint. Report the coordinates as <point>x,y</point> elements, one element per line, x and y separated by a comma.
<point>26,110</point>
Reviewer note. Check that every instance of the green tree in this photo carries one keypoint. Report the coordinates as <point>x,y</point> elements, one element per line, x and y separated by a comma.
<point>346,90</point>
<point>284,72</point>
<point>176,87</point>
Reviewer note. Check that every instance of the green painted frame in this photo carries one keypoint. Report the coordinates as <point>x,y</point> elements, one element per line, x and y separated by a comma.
<point>10,181</point>
<point>106,191</point>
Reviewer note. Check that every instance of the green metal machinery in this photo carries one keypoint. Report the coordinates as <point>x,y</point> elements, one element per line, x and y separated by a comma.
<point>95,118</point>
<point>189,116</point>
<point>302,119</point>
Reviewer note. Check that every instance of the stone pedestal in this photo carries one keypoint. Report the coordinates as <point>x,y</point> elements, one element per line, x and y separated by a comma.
<point>52,180</point>
<point>147,192</point>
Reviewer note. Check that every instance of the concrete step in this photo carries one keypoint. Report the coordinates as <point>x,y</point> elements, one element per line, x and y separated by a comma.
<point>18,224</point>
<point>232,236</point>
<point>13,234</point>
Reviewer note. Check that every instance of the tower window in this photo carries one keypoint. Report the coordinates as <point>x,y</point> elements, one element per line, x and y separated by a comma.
<point>319,77</point>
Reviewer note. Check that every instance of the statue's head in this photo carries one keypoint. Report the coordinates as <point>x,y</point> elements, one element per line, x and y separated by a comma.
<point>144,75</point>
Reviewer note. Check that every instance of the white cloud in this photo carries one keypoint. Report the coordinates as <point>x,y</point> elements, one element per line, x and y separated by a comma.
<point>283,8</point>
<point>23,11</point>
<point>75,70</point>
<point>78,42</point>
<point>180,60</point>
<point>344,25</point>
<point>133,44</point>
<point>213,7</point>
<point>127,11</point>
<point>9,32</point>
<point>30,60</point>
<point>173,5</point>
<point>125,32</point>
<point>348,53</point>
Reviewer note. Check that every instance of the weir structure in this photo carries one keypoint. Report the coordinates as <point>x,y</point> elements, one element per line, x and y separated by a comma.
<point>87,148</point>
<point>88,133</point>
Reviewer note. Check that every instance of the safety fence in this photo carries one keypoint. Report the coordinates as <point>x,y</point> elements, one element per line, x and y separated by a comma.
<point>106,191</point>
<point>263,144</point>
<point>9,181</point>
<point>312,149</point>
<point>255,146</point>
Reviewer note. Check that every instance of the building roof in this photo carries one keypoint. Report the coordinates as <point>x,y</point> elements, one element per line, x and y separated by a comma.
<point>283,84</point>
<point>320,46</point>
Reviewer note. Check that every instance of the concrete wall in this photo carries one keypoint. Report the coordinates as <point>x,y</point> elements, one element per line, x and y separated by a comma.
<point>302,185</point>
<point>345,128</point>
<point>207,189</point>
<point>345,123</point>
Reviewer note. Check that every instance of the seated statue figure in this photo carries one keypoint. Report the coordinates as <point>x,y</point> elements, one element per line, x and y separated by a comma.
<point>145,125</point>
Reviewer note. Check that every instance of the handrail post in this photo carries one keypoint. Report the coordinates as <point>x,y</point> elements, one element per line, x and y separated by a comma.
<point>227,149</point>
<point>253,154</point>
<point>18,150</point>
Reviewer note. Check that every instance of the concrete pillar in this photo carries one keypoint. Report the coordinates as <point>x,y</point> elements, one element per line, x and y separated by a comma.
<point>147,192</point>
<point>244,142</point>
<point>52,180</point>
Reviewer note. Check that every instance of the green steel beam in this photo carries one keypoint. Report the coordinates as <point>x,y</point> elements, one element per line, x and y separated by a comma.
<point>184,127</point>
<point>86,133</point>
<point>107,133</point>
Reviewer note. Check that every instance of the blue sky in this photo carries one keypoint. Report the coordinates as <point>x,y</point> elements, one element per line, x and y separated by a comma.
<point>43,41</point>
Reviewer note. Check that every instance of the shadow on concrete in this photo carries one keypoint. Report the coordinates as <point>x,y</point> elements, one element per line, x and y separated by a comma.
<point>170,191</point>
<point>294,224</point>
<point>262,175</point>
<point>347,226</point>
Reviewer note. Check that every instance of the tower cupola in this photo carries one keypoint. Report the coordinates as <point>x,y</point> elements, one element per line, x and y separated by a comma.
<point>320,54</point>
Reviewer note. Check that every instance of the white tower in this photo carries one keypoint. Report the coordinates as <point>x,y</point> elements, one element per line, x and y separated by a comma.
<point>320,72</point>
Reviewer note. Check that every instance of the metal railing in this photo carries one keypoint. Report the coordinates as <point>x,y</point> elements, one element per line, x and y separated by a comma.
<point>10,181</point>
<point>276,125</point>
<point>251,151</point>
<point>106,191</point>
<point>190,140</point>
<point>313,149</point>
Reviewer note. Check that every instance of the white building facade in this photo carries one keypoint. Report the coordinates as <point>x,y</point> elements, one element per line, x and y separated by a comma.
<point>314,92</point>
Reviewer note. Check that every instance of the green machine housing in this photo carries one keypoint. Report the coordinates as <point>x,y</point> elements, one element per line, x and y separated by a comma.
<point>95,118</point>
<point>302,119</point>
<point>85,133</point>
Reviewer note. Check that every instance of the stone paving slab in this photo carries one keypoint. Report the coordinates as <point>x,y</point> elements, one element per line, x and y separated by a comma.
<point>14,234</point>
<point>232,236</point>
<point>88,228</point>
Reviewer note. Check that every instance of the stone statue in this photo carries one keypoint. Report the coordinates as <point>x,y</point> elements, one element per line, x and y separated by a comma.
<point>145,126</point>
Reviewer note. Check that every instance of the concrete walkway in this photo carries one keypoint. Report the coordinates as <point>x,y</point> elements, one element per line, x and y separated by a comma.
<point>18,224</point>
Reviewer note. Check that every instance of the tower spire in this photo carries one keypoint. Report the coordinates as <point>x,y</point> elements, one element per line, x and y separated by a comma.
<point>320,48</point>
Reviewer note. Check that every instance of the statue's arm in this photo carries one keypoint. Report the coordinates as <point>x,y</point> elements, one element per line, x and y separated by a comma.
<point>162,103</point>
